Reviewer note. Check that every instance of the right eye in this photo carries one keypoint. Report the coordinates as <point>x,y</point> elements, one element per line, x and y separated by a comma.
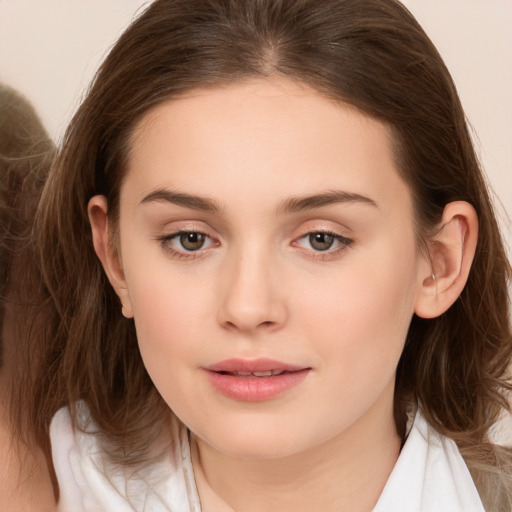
<point>321,241</point>
<point>191,240</point>
<point>183,244</point>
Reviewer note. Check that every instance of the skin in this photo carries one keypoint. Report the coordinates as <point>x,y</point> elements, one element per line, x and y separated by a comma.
<point>258,287</point>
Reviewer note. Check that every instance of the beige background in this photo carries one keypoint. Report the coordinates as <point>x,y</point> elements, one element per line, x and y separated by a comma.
<point>50,49</point>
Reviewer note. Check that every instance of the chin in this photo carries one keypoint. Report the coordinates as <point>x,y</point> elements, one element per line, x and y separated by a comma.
<point>258,442</point>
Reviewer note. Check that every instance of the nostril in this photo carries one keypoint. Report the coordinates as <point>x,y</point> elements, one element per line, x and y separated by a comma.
<point>267,324</point>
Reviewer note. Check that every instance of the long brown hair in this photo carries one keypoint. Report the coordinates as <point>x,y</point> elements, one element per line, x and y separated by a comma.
<point>371,54</point>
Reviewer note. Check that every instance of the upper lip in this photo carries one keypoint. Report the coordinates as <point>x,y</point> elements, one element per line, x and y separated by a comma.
<point>253,365</point>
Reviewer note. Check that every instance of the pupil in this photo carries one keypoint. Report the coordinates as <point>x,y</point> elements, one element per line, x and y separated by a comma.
<point>192,241</point>
<point>321,241</point>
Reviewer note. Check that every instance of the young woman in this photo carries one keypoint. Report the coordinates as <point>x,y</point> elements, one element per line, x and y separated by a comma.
<point>279,280</point>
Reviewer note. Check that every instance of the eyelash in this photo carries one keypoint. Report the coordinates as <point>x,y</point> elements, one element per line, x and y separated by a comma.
<point>182,254</point>
<point>342,241</point>
<point>185,254</point>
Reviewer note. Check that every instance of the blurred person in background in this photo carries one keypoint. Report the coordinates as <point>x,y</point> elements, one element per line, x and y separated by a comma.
<point>26,152</point>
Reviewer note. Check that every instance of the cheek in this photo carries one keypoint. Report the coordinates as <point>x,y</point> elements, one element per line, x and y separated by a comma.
<point>362,314</point>
<point>169,308</point>
<point>166,311</point>
<point>165,297</point>
<point>166,321</point>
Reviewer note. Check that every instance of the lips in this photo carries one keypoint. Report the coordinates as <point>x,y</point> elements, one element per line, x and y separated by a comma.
<point>254,380</point>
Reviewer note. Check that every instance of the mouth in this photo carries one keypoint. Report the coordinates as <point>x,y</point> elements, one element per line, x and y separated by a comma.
<point>255,380</point>
<point>261,367</point>
<point>267,373</point>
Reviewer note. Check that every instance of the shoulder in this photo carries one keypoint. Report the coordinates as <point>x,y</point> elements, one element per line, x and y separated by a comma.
<point>69,454</point>
<point>89,482</point>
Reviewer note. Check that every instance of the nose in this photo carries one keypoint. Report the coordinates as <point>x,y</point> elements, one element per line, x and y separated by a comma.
<point>251,295</point>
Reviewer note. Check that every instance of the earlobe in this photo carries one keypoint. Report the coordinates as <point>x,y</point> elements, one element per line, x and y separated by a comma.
<point>451,253</point>
<point>97,210</point>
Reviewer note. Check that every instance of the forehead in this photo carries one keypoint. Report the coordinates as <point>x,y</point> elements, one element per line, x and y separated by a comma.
<point>265,138</point>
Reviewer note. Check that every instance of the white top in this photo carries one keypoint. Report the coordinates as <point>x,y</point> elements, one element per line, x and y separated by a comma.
<point>429,476</point>
<point>85,486</point>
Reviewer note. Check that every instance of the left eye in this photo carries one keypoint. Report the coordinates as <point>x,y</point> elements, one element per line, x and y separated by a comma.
<point>322,241</point>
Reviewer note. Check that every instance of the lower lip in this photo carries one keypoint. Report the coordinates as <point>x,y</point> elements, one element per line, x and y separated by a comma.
<point>255,389</point>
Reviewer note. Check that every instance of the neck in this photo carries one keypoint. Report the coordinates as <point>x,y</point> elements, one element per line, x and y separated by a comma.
<point>347,472</point>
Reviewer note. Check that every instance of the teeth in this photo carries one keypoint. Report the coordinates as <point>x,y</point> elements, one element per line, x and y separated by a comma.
<point>267,373</point>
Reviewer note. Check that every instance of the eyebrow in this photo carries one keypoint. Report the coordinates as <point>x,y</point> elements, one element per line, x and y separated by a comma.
<point>297,204</point>
<point>290,205</point>
<point>181,199</point>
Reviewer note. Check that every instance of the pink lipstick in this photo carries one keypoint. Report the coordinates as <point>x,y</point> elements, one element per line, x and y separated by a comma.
<point>254,380</point>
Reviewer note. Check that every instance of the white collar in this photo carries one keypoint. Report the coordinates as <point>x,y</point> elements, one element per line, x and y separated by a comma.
<point>430,475</point>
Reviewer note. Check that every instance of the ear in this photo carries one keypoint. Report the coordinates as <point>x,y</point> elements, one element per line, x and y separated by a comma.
<point>451,253</point>
<point>107,251</point>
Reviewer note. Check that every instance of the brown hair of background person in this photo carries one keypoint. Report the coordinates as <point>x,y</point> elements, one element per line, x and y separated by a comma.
<point>25,155</point>
<point>370,54</point>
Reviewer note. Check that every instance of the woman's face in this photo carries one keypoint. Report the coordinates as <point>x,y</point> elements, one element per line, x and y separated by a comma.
<point>270,260</point>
